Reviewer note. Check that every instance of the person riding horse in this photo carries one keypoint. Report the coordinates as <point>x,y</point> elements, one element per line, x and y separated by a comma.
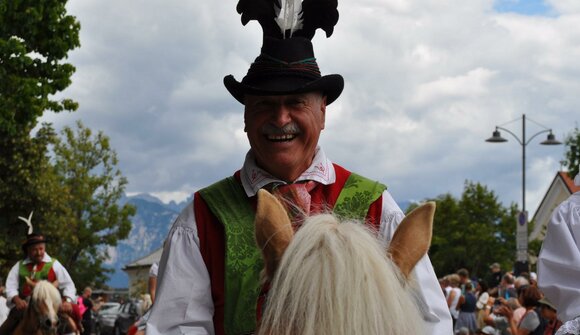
<point>36,266</point>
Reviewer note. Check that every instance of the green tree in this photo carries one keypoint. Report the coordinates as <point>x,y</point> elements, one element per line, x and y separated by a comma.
<point>87,166</point>
<point>572,155</point>
<point>472,232</point>
<point>35,38</point>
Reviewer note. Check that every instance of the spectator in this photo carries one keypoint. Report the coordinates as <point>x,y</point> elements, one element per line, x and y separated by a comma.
<point>533,279</point>
<point>521,281</point>
<point>466,307</point>
<point>506,287</point>
<point>152,283</point>
<point>87,318</point>
<point>550,314</point>
<point>454,295</point>
<point>518,309</point>
<point>531,322</point>
<point>482,294</point>
<point>464,279</point>
<point>494,276</point>
<point>492,318</point>
<point>445,286</point>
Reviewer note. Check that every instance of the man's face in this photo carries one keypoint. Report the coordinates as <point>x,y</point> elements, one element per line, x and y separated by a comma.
<point>283,131</point>
<point>36,252</point>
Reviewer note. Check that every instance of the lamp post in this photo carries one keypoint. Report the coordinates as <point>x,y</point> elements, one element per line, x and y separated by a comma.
<point>521,264</point>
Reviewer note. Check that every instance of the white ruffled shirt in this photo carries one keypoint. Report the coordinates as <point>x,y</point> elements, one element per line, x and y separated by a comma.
<point>65,282</point>
<point>559,261</point>
<point>184,305</point>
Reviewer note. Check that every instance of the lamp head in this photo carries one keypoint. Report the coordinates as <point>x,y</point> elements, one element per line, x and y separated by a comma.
<point>496,137</point>
<point>551,140</point>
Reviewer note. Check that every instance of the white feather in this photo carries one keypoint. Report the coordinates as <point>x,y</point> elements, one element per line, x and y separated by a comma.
<point>28,222</point>
<point>289,16</point>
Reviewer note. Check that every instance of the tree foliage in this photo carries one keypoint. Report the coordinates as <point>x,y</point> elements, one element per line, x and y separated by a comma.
<point>472,232</point>
<point>87,167</point>
<point>572,155</point>
<point>71,183</point>
<point>35,38</point>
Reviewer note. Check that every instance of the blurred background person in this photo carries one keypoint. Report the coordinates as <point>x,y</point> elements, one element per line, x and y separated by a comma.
<point>482,294</point>
<point>518,309</point>
<point>531,322</point>
<point>507,288</point>
<point>152,283</point>
<point>466,307</point>
<point>453,296</point>
<point>550,314</point>
<point>494,275</point>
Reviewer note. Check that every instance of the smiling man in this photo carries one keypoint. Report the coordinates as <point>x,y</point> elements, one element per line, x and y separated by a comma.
<point>208,281</point>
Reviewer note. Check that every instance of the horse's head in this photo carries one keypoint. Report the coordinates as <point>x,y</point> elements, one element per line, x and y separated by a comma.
<point>44,303</point>
<point>335,277</point>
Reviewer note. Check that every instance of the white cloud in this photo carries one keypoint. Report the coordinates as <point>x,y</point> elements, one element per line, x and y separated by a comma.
<point>426,82</point>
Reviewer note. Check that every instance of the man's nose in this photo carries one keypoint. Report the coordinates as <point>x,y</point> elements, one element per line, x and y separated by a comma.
<point>281,116</point>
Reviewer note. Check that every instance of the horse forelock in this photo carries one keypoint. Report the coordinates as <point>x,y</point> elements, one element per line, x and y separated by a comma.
<point>335,278</point>
<point>46,294</point>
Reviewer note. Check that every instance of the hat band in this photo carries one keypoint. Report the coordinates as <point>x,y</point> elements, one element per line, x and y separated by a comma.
<point>266,65</point>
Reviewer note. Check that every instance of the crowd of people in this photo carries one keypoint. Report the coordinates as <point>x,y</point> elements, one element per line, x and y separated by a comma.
<point>498,304</point>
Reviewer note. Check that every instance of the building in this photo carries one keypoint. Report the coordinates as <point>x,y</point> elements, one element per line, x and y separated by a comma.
<point>560,189</point>
<point>138,272</point>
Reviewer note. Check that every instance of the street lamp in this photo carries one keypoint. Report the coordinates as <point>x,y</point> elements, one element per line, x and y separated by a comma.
<point>522,227</point>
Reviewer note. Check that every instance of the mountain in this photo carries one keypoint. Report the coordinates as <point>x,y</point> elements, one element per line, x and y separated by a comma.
<point>151,224</point>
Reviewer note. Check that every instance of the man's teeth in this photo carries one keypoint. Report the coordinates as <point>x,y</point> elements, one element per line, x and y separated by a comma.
<point>286,137</point>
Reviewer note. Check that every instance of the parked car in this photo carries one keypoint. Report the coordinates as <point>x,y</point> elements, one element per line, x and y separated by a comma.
<point>130,312</point>
<point>106,317</point>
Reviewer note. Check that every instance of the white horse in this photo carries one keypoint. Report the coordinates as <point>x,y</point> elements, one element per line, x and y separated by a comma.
<point>335,277</point>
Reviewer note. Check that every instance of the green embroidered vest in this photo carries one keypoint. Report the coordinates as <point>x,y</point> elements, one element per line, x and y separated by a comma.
<point>229,203</point>
<point>23,272</point>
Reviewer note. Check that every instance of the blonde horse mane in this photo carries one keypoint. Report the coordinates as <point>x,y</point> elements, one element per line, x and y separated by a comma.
<point>42,314</point>
<point>334,277</point>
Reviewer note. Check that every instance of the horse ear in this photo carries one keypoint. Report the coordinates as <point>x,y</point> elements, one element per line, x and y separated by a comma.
<point>412,238</point>
<point>273,230</point>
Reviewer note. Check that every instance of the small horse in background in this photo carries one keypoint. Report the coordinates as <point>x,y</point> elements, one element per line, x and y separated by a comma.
<point>41,316</point>
<point>333,277</point>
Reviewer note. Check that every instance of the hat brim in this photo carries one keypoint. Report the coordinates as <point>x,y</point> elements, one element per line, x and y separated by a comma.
<point>330,85</point>
<point>27,244</point>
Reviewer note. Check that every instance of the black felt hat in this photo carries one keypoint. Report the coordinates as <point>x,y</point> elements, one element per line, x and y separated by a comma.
<point>34,238</point>
<point>286,64</point>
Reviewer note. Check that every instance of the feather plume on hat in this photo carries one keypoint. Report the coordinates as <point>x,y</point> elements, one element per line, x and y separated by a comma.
<point>290,18</point>
<point>28,222</point>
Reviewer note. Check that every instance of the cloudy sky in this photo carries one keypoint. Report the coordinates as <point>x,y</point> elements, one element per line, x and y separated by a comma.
<point>426,82</point>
